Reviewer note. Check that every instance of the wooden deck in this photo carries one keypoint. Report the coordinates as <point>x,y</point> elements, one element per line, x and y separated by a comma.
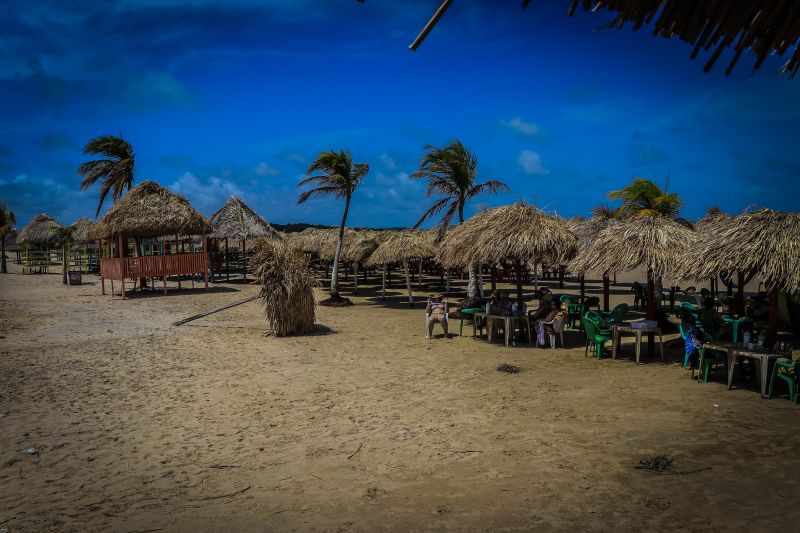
<point>152,266</point>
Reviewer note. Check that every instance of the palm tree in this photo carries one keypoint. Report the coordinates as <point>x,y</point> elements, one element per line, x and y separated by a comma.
<point>340,177</point>
<point>7,221</point>
<point>115,171</point>
<point>64,236</point>
<point>451,172</point>
<point>642,196</point>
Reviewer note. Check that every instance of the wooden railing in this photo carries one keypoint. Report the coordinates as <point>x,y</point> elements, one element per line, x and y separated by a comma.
<point>153,266</point>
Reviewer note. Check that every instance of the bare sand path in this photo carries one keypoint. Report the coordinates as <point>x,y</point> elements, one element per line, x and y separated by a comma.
<point>212,426</point>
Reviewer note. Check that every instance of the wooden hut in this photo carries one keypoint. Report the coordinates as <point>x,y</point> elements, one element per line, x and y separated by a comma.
<point>237,221</point>
<point>36,239</point>
<point>150,210</point>
<point>84,254</point>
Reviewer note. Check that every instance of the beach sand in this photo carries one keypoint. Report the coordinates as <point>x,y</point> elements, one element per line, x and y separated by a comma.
<point>365,426</point>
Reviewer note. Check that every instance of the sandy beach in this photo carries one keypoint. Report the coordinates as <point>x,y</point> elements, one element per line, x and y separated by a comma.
<point>135,425</point>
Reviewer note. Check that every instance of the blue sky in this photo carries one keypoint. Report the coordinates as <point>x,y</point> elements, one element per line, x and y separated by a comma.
<point>237,98</point>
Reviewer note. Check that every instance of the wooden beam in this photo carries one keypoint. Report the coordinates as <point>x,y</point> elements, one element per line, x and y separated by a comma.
<point>430,25</point>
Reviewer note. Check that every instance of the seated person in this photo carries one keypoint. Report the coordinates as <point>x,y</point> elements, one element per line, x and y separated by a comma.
<point>437,314</point>
<point>545,309</point>
<point>500,305</point>
<point>713,325</point>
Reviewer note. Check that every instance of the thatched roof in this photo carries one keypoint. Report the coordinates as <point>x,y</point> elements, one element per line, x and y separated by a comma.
<point>10,240</point>
<point>587,230</point>
<point>39,231</point>
<point>236,220</point>
<point>516,232</point>
<point>762,27</point>
<point>304,241</point>
<point>763,242</point>
<point>359,247</point>
<point>403,246</point>
<point>150,210</point>
<point>328,240</point>
<point>636,242</point>
<point>80,233</point>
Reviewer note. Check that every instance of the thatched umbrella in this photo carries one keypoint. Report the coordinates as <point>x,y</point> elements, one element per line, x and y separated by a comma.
<point>402,247</point>
<point>236,220</point>
<point>39,232</point>
<point>356,248</point>
<point>765,243</point>
<point>306,241</point>
<point>519,232</point>
<point>644,241</point>
<point>287,287</point>
<point>587,231</point>
<point>80,235</point>
<point>150,210</point>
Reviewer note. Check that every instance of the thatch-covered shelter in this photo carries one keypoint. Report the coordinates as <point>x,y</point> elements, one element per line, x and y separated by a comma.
<point>39,234</point>
<point>236,220</point>
<point>150,210</point>
<point>36,239</point>
<point>306,241</point>
<point>764,243</point>
<point>587,230</point>
<point>518,232</point>
<point>287,287</point>
<point>649,242</point>
<point>402,247</point>
<point>80,231</point>
<point>82,253</point>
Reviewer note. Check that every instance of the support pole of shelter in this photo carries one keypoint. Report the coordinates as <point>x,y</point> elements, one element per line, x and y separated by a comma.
<point>518,268</point>
<point>583,286</point>
<point>772,328</point>
<point>355,277</point>
<point>227,262</point>
<point>244,259</point>
<point>651,310</point>
<point>408,284</point>
<point>383,283</point>
<point>419,281</point>
<point>740,293</point>
<point>205,265</point>
<point>606,291</point>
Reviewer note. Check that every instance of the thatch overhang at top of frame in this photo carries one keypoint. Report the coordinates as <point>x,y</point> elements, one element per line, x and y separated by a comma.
<point>517,232</point>
<point>150,210</point>
<point>236,220</point>
<point>39,231</point>
<point>763,242</point>
<point>402,246</point>
<point>81,229</point>
<point>762,27</point>
<point>650,242</point>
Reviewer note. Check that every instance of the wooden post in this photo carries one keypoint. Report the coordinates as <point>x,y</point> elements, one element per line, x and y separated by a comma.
<point>493,278</point>
<point>177,250</point>
<point>518,268</point>
<point>355,277</point>
<point>205,251</point>
<point>651,310</point>
<point>740,293</point>
<point>122,263</point>
<point>227,264</point>
<point>583,286</point>
<point>408,284</point>
<point>606,291</point>
<point>480,280</point>
<point>383,284</point>
<point>447,282</point>
<point>560,277</point>
<point>419,282</point>
<point>772,328</point>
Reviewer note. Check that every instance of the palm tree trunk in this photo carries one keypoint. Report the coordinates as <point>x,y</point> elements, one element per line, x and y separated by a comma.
<point>335,272</point>
<point>472,286</point>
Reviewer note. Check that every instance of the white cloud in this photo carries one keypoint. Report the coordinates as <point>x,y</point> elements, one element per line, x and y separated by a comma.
<point>263,169</point>
<point>520,126</point>
<point>388,162</point>
<point>205,195</point>
<point>531,163</point>
<point>22,178</point>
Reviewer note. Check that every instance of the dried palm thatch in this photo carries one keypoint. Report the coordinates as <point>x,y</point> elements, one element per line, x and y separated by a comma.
<point>10,240</point>
<point>518,232</point>
<point>587,230</point>
<point>150,210</point>
<point>39,232</point>
<point>287,287</point>
<point>236,220</point>
<point>763,27</point>
<point>306,241</point>
<point>357,248</point>
<point>402,247</point>
<point>650,242</point>
<point>763,242</point>
<point>329,239</point>
<point>81,229</point>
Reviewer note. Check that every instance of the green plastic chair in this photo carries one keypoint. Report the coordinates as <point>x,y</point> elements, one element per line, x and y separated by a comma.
<point>616,315</point>
<point>595,336</point>
<point>710,361</point>
<point>639,295</point>
<point>574,309</point>
<point>788,371</point>
<point>467,312</point>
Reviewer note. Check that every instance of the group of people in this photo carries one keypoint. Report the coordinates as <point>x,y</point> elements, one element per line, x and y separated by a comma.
<point>499,304</point>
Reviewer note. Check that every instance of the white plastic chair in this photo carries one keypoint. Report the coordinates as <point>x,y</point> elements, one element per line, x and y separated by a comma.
<point>428,321</point>
<point>558,326</point>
